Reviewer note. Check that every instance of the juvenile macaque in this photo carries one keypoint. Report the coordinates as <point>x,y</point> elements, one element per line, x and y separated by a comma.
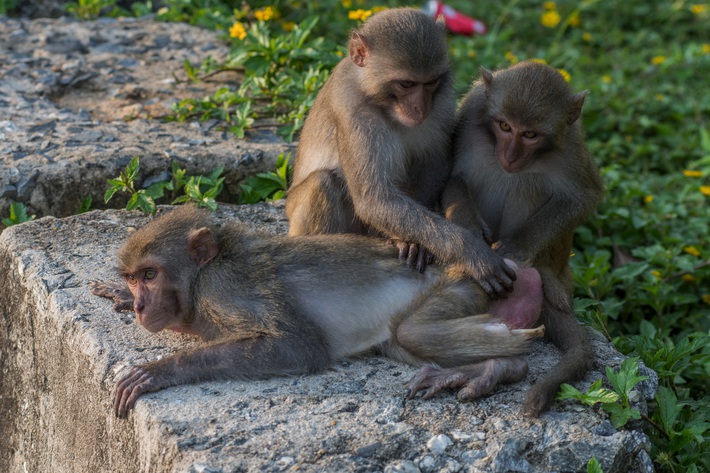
<point>270,305</point>
<point>375,153</point>
<point>523,178</point>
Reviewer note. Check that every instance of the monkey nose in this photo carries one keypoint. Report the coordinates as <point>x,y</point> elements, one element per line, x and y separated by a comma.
<point>138,306</point>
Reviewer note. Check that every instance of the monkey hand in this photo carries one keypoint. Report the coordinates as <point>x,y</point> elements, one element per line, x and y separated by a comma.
<point>130,387</point>
<point>117,292</point>
<point>508,249</point>
<point>415,255</point>
<point>491,272</point>
<point>475,380</point>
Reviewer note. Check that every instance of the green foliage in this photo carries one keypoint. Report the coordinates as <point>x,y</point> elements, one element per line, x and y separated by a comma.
<point>268,186</point>
<point>86,204</point>
<point>18,214</point>
<point>88,9</point>
<point>201,190</point>
<point>593,466</point>
<point>7,5</point>
<point>616,401</point>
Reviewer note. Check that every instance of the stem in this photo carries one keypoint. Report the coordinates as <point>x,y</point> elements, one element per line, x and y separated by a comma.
<point>656,426</point>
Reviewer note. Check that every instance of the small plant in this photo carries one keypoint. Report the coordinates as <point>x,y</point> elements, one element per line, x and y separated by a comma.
<point>616,401</point>
<point>88,9</point>
<point>593,466</point>
<point>85,204</point>
<point>267,186</point>
<point>7,5</point>
<point>202,190</point>
<point>18,214</point>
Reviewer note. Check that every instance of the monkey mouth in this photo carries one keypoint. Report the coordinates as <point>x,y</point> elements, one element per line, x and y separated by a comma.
<point>151,324</point>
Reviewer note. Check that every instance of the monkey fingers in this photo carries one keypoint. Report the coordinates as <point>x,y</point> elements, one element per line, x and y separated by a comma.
<point>495,277</point>
<point>416,256</point>
<point>130,387</point>
<point>117,292</point>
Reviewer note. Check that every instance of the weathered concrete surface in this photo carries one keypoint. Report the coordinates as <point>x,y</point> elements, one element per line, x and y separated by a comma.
<point>61,350</point>
<point>79,100</point>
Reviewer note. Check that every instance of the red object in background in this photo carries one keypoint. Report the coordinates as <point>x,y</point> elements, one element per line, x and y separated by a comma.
<point>456,22</point>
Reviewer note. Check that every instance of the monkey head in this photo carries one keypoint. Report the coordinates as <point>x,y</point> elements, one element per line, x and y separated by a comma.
<point>403,61</point>
<point>530,107</point>
<point>160,269</point>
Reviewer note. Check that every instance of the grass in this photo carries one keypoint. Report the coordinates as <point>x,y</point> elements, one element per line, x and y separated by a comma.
<point>642,263</point>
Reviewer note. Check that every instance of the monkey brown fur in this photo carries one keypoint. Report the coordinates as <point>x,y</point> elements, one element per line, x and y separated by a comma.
<point>374,153</point>
<point>270,305</point>
<point>523,177</point>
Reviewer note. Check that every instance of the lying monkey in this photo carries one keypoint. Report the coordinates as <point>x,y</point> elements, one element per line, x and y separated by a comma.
<point>270,305</point>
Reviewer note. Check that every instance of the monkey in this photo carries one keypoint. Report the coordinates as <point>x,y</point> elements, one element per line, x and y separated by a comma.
<point>374,153</point>
<point>524,179</point>
<point>273,305</point>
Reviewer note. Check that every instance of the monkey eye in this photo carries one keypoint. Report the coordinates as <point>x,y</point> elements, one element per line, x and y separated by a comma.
<point>407,84</point>
<point>504,126</point>
<point>131,280</point>
<point>530,134</point>
<point>150,274</point>
<point>433,83</point>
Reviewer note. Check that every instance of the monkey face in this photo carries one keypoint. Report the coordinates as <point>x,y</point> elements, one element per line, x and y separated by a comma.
<point>516,145</point>
<point>413,100</point>
<point>155,300</point>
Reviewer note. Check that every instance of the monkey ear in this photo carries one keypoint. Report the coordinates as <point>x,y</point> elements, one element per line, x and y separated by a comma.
<point>359,49</point>
<point>575,109</point>
<point>440,21</point>
<point>487,76</point>
<point>201,245</point>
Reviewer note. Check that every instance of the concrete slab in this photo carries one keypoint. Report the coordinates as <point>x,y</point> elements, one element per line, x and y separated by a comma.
<point>61,350</point>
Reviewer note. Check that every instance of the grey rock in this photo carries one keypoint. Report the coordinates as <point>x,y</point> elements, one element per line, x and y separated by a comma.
<point>78,100</point>
<point>62,349</point>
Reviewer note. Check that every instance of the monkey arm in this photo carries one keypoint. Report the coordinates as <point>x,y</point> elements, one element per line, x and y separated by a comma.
<point>232,358</point>
<point>460,208</point>
<point>386,208</point>
<point>117,292</point>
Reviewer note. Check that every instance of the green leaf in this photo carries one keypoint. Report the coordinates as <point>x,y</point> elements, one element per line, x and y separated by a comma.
<point>594,466</point>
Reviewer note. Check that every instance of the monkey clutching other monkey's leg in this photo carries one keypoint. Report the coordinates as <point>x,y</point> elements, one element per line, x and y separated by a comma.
<point>273,305</point>
<point>524,178</point>
<point>374,153</point>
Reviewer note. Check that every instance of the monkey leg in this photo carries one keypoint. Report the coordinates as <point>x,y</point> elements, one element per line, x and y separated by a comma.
<point>321,204</point>
<point>563,330</point>
<point>449,326</point>
<point>475,380</point>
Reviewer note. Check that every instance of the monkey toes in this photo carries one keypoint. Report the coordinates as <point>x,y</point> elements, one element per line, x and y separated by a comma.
<point>475,380</point>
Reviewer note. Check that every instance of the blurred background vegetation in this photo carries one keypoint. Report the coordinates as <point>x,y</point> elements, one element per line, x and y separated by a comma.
<point>642,263</point>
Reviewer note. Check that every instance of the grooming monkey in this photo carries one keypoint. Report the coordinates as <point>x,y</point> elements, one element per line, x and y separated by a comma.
<point>374,153</point>
<point>524,179</point>
<point>270,305</point>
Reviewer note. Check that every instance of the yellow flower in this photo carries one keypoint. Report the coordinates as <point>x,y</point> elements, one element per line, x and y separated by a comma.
<point>586,37</point>
<point>379,9</point>
<point>265,14</point>
<point>706,298</point>
<point>705,190</point>
<point>705,48</point>
<point>698,8</point>
<point>346,3</point>
<point>658,60</point>
<point>549,6</point>
<point>565,74</point>
<point>660,97</point>
<point>656,274</point>
<point>359,14</point>
<point>550,19</point>
<point>692,173</point>
<point>512,58</point>
<point>237,31</point>
<point>288,26</point>
<point>471,53</point>
<point>648,199</point>
<point>574,20</point>
<point>606,79</point>
<point>539,61</point>
<point>691,250</point>
<point>688,278</point>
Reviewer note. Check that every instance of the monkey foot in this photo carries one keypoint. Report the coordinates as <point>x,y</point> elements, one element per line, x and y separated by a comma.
<point>475,380</point>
